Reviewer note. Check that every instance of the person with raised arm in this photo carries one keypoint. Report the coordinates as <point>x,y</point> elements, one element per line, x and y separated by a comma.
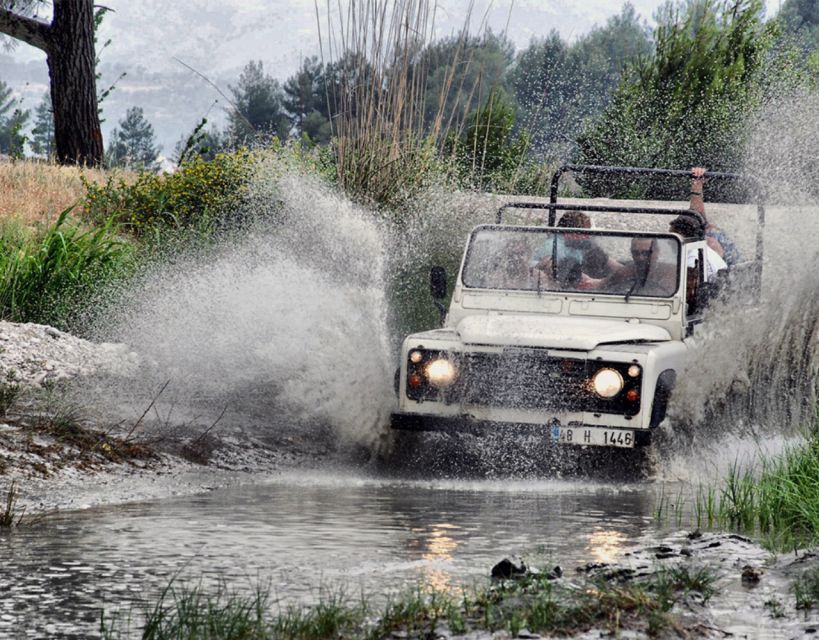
<point>715,237</point>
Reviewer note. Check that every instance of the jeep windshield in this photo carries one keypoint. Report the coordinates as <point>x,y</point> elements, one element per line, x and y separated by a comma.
<point>572,261</point>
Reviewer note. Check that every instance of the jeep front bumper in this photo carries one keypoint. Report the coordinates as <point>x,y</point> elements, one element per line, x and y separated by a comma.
<point>554,430</point>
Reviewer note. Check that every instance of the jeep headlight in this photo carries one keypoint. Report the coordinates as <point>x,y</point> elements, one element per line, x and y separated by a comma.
<point>607,383</point>
<point>441,373</point>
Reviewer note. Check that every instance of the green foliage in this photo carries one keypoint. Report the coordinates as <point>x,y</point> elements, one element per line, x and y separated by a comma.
<point>533,602</point>
<point>50,277</point>
<point>257,109</point>
<point>9,516</point>
<point>99,16</point>
<point>690,102</point>
<point>9,391</point>
<point>779,499</point>
<point>12,121</point>
<point>801,18</point>
<point>806,589</point>
<point>133,144</point>
<point>558,86</point>
<point>203,143</point>
<point>458,74</point>
<point>307,102</point>
<point>489,153</point>
<point>199,193</point>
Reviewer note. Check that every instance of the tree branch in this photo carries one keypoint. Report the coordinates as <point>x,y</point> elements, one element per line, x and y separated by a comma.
<point>28,30</point>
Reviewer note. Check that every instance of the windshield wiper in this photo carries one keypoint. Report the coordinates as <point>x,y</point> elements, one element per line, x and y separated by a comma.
<point>633,287</point>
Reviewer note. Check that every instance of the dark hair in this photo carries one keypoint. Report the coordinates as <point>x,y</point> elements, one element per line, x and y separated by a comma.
<point>574,219</point>
<point>687,227</point>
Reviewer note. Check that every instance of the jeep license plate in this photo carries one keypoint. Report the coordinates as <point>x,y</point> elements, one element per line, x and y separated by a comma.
<point>593,436</point>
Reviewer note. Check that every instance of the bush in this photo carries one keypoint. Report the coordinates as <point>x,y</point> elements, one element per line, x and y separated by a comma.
<point>715,62</point>
<point>201,192</point>
<point>489,153</point>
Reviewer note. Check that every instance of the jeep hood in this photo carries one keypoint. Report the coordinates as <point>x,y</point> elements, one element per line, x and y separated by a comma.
<point>555,332</point>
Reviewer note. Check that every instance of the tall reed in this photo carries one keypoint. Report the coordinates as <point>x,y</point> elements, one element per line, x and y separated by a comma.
<point>384,142</point>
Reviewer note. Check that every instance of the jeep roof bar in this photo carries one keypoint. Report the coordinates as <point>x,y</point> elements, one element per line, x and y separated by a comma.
<point>719,175</point>
<point>599,208</point>
<point>643,171</point>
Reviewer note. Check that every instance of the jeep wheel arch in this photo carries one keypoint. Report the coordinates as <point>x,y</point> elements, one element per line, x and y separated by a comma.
<point>662,393</point>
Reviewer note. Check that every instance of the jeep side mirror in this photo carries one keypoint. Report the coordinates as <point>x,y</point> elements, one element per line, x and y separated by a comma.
<point>437,282</point>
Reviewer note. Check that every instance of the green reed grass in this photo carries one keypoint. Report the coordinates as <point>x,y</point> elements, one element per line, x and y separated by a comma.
<point>50,276</point>
<point>670,509</point>
<point>534,603</point>
<point>777,498</point>
<point>806,589</point>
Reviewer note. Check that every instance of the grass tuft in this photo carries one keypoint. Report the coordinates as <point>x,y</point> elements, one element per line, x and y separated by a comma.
<point>777,499</point>
<point>46,275</point>
<point>10,517</point>
<point>806,589</point>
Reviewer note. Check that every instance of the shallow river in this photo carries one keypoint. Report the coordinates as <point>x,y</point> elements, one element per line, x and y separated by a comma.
<point>305,532</point>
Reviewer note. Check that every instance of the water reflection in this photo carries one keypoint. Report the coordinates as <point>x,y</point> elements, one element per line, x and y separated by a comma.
<point>305,534</point>
<point>438,548</point>
<point>606,546</point>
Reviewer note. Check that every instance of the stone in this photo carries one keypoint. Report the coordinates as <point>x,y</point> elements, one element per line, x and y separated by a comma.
<point>506,569</point>
<point>555,573</point>
<point>751,575</point>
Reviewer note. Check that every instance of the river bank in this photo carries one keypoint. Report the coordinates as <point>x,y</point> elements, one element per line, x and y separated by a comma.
<point>690,585</point>
<point>61,456</point>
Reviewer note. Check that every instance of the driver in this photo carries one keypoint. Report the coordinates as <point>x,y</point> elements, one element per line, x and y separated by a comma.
<point>644,275</point>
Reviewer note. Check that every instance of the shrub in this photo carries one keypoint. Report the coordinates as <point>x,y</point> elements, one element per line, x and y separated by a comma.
<point>489,153</point>
<point>201,192</point>
<point>714,64</point>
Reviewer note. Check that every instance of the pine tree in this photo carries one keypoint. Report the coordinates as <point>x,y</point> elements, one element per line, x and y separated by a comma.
<point>258,106</point>
<point>6,100</point>
<point>133,144</point>
<point>68,42</point>
<point>306,101</point>
<point>42,135</point>
<point>12,140</point>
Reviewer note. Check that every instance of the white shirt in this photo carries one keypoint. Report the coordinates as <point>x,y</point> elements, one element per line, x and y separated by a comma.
<point>713,262</point>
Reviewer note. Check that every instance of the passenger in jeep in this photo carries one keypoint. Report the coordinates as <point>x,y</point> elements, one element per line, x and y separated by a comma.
<point>687,228</point>
<point>577,248</point>
<point>647,274</point>
<point>716,238</point>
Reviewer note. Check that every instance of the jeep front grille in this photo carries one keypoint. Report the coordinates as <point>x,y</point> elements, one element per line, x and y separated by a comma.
<point>524,379</point>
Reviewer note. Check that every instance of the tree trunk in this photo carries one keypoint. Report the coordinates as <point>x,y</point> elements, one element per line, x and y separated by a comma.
<point>69,45</point>
<point>71,67</point>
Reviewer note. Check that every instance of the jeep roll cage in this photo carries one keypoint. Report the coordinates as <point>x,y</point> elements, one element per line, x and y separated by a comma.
<point>553,205</point>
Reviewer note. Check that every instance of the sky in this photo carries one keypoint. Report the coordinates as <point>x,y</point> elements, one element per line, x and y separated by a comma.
<point>151,41</point>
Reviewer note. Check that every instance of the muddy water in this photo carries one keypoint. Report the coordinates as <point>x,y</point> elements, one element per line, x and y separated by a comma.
<point>306,532</point>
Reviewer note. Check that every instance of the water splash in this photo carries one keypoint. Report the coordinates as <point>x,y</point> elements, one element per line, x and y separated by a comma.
<point>752,380</point>
<point>284,325</point>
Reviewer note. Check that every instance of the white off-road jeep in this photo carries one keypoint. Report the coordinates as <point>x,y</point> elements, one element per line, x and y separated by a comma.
<point>576,332</point>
